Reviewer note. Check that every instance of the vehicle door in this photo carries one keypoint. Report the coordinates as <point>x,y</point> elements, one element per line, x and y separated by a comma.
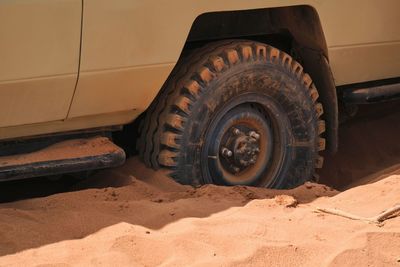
<point>39,59</point>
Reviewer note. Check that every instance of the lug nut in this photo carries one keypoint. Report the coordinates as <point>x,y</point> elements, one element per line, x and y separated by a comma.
<point>226,152</point>
<point>254,135</point>
<point>236,131</point>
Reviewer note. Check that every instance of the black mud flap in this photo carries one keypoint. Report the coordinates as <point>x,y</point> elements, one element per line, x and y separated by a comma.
<point>65,157</point>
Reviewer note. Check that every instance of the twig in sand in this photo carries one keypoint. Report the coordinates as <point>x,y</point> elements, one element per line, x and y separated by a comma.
<point>387,214</point>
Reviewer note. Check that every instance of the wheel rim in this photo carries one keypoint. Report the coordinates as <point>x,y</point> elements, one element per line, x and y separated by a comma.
<point>244,145</point>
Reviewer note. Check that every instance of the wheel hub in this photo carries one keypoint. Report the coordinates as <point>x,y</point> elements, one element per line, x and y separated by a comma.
<point>240,149</point>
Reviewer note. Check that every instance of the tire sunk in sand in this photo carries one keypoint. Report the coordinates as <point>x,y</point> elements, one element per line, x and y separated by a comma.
<point>236,113</point>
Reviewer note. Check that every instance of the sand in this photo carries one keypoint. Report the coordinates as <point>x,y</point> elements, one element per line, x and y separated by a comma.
<point>133,216</point>
<point>70,149</point>
<point>145,219</point>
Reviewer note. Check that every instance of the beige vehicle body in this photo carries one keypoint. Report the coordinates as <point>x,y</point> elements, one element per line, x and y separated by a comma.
<point>67,65</point>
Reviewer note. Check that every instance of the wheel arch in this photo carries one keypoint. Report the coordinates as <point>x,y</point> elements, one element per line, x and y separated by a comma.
<point>296,30</point>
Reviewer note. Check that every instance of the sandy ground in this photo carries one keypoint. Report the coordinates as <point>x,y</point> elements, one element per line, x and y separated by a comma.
<point>133,216</point>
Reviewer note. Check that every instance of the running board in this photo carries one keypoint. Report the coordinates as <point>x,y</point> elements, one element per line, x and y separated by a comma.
<point>64,157</point>
<point>371,95</point>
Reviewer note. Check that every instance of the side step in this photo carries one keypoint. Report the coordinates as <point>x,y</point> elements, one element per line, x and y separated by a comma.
<point>64,157</point>
<point>376,94</point>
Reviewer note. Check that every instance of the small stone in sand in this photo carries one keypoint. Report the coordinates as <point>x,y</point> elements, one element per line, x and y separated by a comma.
<point>308,185</point>
<point>287,201</point>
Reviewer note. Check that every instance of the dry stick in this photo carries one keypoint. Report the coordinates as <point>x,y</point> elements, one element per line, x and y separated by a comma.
<point>389,213</point>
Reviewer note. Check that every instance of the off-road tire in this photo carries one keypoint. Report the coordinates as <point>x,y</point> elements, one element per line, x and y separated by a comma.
<point>176,128</point>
